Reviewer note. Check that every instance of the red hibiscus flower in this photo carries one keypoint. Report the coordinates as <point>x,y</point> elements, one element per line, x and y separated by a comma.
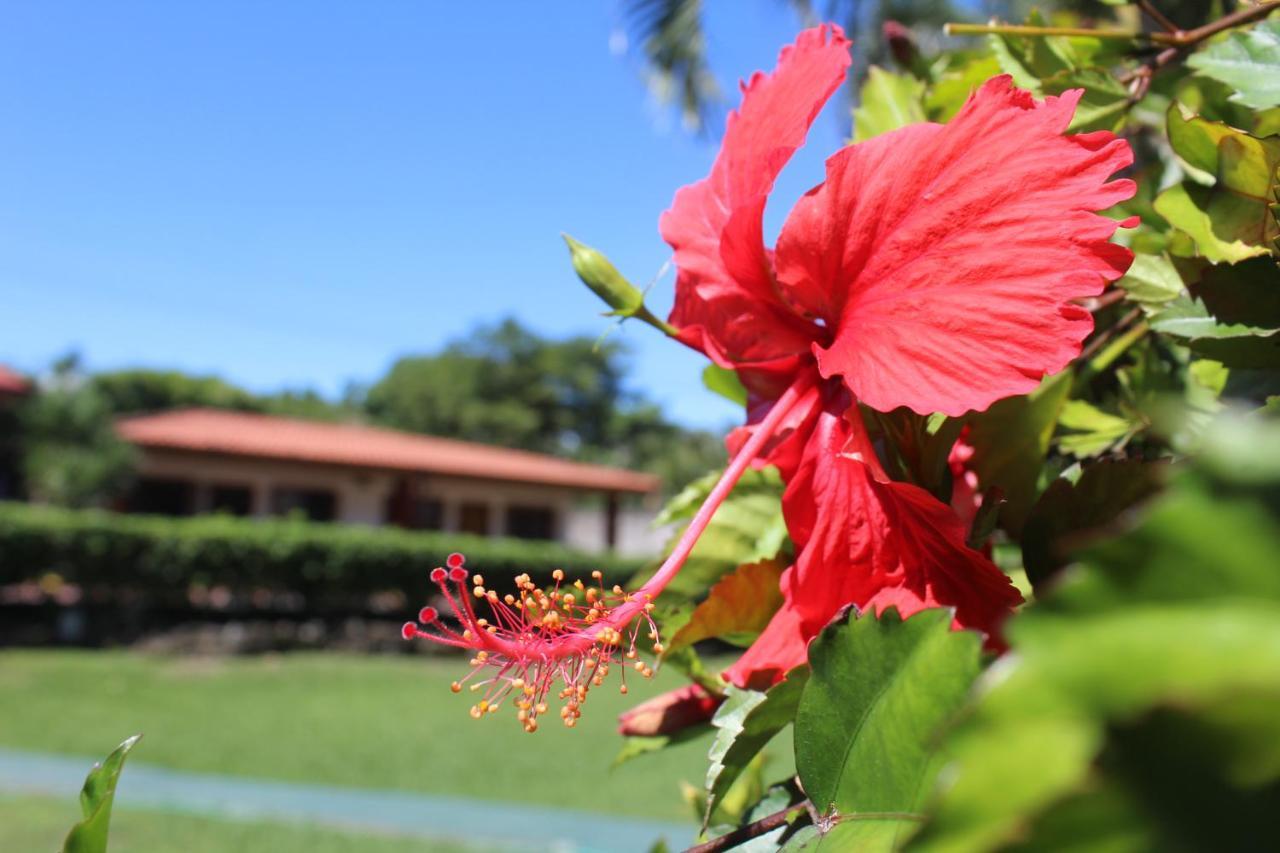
<point>934,269</point>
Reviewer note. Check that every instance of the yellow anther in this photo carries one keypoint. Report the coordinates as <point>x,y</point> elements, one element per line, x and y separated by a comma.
<point>509,598</point>
<point>477,580</point>
<point>455,687</point>
<point>597,574</point>
<point>569,600</point>
<point>558,575</point>
<point>475,712</point>
<point>492,596</point>
<point>623,690</point>
<point>639,665</point>
<point>531,726</point>
<point>657,648</point>
<point>484,705</point>
<point>517,683</point>
<point>579,584</point>
<point>542,708</point>
<point>478,592</point>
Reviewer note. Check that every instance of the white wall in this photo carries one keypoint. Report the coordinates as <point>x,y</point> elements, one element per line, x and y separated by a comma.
<point>585,530</point>
<point>362,496</point>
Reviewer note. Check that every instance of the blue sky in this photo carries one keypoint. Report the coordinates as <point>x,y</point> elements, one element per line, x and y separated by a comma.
<point>295,193</point>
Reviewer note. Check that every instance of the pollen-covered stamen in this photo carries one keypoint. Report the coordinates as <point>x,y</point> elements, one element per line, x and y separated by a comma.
<point>520,646</point>
<point>571,635</point>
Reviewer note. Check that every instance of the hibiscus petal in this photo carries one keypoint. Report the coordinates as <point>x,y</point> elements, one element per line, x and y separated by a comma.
<point>945,257</point>
<point>871,543</point>
<point>725,291</point>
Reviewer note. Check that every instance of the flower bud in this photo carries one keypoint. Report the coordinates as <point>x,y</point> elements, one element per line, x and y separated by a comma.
<point>669,712</point>
<point>599,274</point>
<point>902,45</point>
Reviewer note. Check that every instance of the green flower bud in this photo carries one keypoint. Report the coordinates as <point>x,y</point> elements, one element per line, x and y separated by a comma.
<point>599,274</point>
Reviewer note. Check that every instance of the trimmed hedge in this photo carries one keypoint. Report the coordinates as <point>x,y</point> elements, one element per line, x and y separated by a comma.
<point>163,556</point>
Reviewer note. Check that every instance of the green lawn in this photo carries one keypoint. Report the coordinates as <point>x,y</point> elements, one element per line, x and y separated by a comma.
<point>378,722</point>
<point>38,825</point>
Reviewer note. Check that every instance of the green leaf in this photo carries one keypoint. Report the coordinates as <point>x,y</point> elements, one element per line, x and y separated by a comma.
<point>1246,293</point>
<point>889,101</point>
<point>737,608</point>
<point>868,725</point>
<point>953,88</point>
<point>747,528</point>
<point>1248,60</point>
<point>96,799</point>
<point>1233,344</point>
<point>1089,431</point>
<point>637,745</point>
<point>1183,613</point>
<point>1231,220</point>
<point>725,382</point>
<point>1105,101</point>
<point>745,724</point>
<point>1151,281</point>
<point>1067,511</point>
<point>1011,439</point>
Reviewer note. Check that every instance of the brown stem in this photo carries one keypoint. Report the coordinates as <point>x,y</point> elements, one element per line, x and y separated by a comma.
<point>1235,19</point>
<point>1156,15</point>
<point>1097,303</point>
<point>746,833</point>
<point>1176,38</point>
<point>1103,339</point>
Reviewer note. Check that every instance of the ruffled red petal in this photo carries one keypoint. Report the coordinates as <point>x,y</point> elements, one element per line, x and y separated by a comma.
<point>946,257</point>
<point>871,543</point>
<point>726,301</point>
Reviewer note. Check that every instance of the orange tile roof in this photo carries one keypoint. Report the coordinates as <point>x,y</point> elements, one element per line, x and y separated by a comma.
<point>12,382</point>
<point>268,437</point>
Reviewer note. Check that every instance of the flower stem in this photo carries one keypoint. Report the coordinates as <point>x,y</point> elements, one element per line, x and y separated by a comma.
<point>739,464</point>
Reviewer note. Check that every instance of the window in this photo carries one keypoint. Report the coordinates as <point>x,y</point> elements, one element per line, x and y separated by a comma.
<point>531,522</point>
<point>234,500</point>
<point>156,496</point>
<point>474,518</point>
<point>428,514</point>
<point>315,504</point>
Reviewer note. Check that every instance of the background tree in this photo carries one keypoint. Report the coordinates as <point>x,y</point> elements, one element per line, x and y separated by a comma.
<point>71,453</point>
<point>506,385</point>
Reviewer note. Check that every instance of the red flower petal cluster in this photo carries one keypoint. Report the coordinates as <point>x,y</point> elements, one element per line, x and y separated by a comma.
<point>934,269</point>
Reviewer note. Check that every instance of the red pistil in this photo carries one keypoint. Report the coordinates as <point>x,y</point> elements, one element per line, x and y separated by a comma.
<point>538,638</point>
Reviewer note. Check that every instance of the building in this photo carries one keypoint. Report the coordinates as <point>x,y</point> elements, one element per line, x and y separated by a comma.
<point>206,460</point>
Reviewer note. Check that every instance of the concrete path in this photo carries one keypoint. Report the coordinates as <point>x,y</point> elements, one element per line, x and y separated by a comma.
<point>488,825</point>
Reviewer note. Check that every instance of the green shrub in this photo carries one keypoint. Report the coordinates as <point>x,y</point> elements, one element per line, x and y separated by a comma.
<point>161,557</point>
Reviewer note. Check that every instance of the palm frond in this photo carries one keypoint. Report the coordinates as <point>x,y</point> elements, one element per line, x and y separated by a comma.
<point>671,35</point>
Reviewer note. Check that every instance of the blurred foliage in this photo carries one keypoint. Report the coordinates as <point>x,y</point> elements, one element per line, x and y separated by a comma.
<point>161,558</point>
<point>508,386</point>
<point>71,453</point>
